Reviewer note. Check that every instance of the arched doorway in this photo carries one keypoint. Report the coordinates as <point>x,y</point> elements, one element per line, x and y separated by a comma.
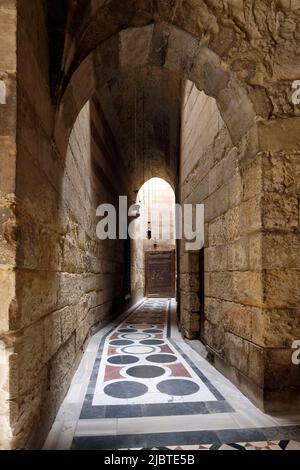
<point>154,251</point>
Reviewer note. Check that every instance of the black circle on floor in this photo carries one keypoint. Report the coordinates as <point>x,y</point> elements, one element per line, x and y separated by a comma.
<point>152,331</point>
<point>145,372</point>
<point>124,359</point>
<point>178,387</point>
<point>152,342</point>
<point>125,389</point>
<point>127,330</point>
<point>121,342</point>
<point>162,358</point>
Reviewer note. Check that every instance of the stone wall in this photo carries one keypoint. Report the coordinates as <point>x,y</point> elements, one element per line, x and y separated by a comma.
<point>251,309</point>
<point>277,325</point>
<point>8,27</point>
<point>66,280</point>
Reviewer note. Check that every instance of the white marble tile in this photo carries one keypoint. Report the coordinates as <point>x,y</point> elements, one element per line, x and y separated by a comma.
<point>158,424</point>
<point>60,436</point>
<point>96,427</point>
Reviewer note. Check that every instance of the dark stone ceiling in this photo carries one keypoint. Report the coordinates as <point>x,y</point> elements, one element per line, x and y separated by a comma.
<point>142,108</point>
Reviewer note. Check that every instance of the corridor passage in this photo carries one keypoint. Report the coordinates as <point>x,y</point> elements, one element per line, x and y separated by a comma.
<point>140,385</point>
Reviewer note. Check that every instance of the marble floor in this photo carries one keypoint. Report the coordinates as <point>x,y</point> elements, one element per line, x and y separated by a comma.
<point>141,386</point>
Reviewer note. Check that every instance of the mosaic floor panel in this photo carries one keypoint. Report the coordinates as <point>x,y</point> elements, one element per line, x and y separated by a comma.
<point>141,386</point>
<point>140,371</point>
<point>139,364</point>
<point>260,445</point>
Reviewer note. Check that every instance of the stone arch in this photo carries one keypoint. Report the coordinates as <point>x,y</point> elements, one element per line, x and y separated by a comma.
<point>153,191</point>
<point>162,45</point>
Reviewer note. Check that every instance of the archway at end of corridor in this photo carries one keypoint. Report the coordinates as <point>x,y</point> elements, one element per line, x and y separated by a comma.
<point>153,245</point>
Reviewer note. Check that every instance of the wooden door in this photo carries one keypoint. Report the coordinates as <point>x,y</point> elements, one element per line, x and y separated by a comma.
<point>160,274</point>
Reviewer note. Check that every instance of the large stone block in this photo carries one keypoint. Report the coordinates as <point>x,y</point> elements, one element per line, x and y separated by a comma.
<point>189,282</point>
<point>214,336</point>
<point>235,188</point>
<point>237,352</point>
<point>7,281</point>
<point>250,216</point>
<point>190,324</point>
<point>218,231</point>
<point>248,287</point>
<point>216,258</point>
<point>214,310</point>
<point>237,319</point>
<point>135,46</point>
<point>238,255</point>
<point>37,294</point>
<point>8,109</point>
<point>31,70</point>
<point>256,251</point>
<point>280,250</point>
<point>217,203</point>
<point>34,237</point>
<point>256,364</point>
<point>280,211</point>
<point>30,349</point>
<point>182,49</point>
<point>190,302</point>
<point>282,288</point>
<point>8,166</point>
<point>62,365</point>
<point>252,178</point>
<point>8,37</point>
<point>5,422</point>
<point>221,285</point>
<point>52,334</point>
<point>275,328</point>
<point>280,371</point>
<point>279,135</point>
<point>281,172</point>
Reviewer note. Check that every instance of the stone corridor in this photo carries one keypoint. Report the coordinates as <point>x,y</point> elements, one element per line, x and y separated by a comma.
<point>99,99</point>
<point>139,383</point>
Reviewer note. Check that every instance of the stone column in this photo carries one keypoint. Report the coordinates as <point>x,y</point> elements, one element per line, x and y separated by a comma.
<point>277,325</point>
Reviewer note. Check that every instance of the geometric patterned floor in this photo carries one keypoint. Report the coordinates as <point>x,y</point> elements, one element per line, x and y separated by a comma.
<point>139,367</point>
<point>145,392</point>
<point>259,445</point>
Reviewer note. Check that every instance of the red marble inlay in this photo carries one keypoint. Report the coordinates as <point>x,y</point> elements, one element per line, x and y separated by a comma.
<point>111,351</point>
<point>178,370</point>
<point>112,373</point>
<point>166,349</point>
<point>114,336</point>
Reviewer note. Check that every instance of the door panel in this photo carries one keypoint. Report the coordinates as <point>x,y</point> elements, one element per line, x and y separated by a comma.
<point>160,274</point>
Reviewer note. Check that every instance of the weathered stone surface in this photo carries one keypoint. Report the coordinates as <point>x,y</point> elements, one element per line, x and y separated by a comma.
<point>237,319</point>
<point>31,355</point>
<point>237,352</point>
<point>52,334</point>
<point>135,47</point>
<point>7,280</point>
<point>238,255</point>
<point>216,258</point>
<point>252,178</point>
<point>279,135</point>
<point>282,288</point>
<point>245,169</point>
<point>214,310</point>
<point>280,211</point>
<point>275,328</point>
<point>280,371</point>
<point>248,287</point>
<point>214,336</point>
